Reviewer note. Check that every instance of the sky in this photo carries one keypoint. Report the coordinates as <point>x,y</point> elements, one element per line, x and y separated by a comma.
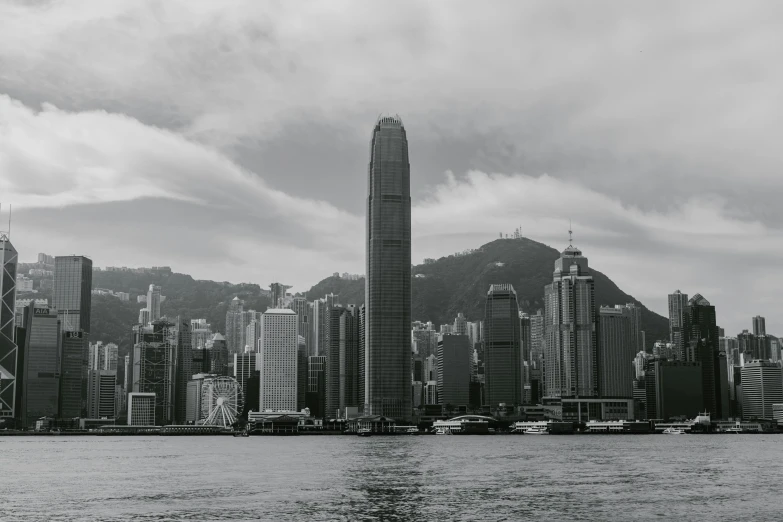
<point>230,140</point>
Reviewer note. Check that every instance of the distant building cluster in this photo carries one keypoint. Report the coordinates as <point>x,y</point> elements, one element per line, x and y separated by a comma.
<point>347,276</point>
<point>122,296</point>
<point>139,270</point>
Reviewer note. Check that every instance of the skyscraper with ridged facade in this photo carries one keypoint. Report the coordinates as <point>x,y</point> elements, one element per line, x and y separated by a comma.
<point>8,348</point>
<point>570,354</point>
<point>388,282</point>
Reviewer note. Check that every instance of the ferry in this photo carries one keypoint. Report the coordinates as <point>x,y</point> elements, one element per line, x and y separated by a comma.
<point>674,431</point>
<point>466,425</point>
<point>364,432</point>
<point>735,429</point>
<point>443,431</point>
<point>412,431</point>
<point>535,430</point>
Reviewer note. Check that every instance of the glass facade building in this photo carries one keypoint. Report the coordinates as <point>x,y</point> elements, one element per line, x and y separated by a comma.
<point>502,347</point>
<point>41,376</point>
<point>72,292</point>
<point>8,349</point>
<point>388,282</point>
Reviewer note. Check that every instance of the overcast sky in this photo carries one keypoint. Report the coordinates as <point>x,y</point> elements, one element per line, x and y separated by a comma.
<point>230,140</point>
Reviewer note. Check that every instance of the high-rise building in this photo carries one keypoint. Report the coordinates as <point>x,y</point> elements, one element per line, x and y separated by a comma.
<point>144,316</point>
<point>674,389</point>
<point>101,388</point>
<point>453,356</point>
<point>252,336</point>
<point>142,409</point>
<point>360,358</point>
<point>502,366</point>
<point>235,326</point>
<point>153,302</point>
<point>570,329</point>
<point>102,356</point>
<point>153,367</point>
<point>126,374</point>
<point>180,339</point>
<point>278,293</point>
<point>72,295</point>
<point>244,366</point>
<point>302,309</point>
<point>700,335</point>
<point>39,384</point>
<point>677,303</point>
<point>388,282</point>
<point>342,358</point>
<point>617,345</point>
<point>200,332</point>
<point>315,398</point>
<point>460,325</point>
<point>302,374</point>
<point>537,339</point>
<point>634,314</point>
<point>216,356</point>
<point>278,360</point>
<point>665,350</point>
<point>424,338</point>
<point>762,386</point>
<point>73,373</point>
<point>759,325</point>
<point>9,352</point>
<point>193,412</point>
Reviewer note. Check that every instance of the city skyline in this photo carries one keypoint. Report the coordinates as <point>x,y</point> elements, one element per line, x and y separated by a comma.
<point>648,167</point>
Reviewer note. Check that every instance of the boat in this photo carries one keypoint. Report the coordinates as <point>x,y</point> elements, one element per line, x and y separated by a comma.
<point>535,430</point>
<point>241,433</point>
<point>735,429</point>
<point>364,432</point>
<point>673,431</point>
<point>443,431</point>
<point>412,431</point>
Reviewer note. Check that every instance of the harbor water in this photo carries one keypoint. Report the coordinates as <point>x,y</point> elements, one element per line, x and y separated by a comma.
<point>587,477</point>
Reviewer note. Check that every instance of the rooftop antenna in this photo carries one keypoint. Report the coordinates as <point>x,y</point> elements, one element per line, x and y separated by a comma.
<point>570,234</point>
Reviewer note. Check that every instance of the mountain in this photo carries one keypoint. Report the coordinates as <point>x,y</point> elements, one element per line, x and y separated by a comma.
<point>441,288</point>
<point>459,283</point>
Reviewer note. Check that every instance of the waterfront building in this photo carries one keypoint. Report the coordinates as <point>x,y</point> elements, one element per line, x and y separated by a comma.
<point>617,343</point>
<point>388,282</point>
<point>153,302</point>
<point>142,408</point>
<point>700,333</point>
<point>153,367</point>
<point>244,366</point>
<point>278,360</point>
<point>39,384</point>
<point>424,338</point>
<point>302,374</point>
<point>762,386</point>
<point>101,389</point>
<point>453,377</point>
<point>315,400</point>
<point>73,373</point>
<point>183,365</point>
<point>342,361</point>
<point>502,365</point>
<point>361,357</point>
<point>584,409</point>
<point>677,303</point>
<point>72,294</point>
<point>571,366</point>
<point>759,325</point>
<point>674,389</point>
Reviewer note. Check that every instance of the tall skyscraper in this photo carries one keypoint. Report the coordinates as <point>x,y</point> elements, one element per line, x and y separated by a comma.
<point>759,325</point>
<point>9,352</point>
<point>315,398</point>
<point>101,387</point>
<point>278,293</point>
<point>342,360</point>
<point>453,354</point>
<point>677,303</point>
<point>388,282</point>
<point>72,296</point>
<point>216,356</point>
<point>278,360</point>
<point>502,366</point>
<point>570,328</point>
<point>153,302</point>
<point>424,338</point>
<point>617,348</point>
<point>302,309</point>
<point>235,326</point>
<point>183,366</point>
<point>537,339</point>
<point>200,332</point>
<point>460,325</point>
<point>244,366</point>
<point>700,334</point>
<point>40,382</point>
<point>153,367</point>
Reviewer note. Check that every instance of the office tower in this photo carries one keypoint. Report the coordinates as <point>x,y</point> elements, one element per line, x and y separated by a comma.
<point>180,340</point>
<point>700,335</point>
<point>759,326</point>
<point>235,326</point>
<point>153,302</point>
<point>571,368</point>
<point>111,354</point>
<point>762,386</point>
<point>72,296</point>
<point>153,367</point>
<point>342,358</point>
<point>126,374</point>
<point>200,332</point>
<point>252,336</point>
<point>525,337</point>
<point>537,339</point>
<point>119,400</point>
<point>144,316</point>
<point>360,381</point>
<point>301,374</point>
<point>474,332</point>
<point>388,282</point>
<point>424,338</point>
<point>9,352</point>
<point>502,366</point>
<point>634,314</point>
<point>446,329</point>
<point>73,373</point>
<point>193,402</point>
<point>321,322</point>
<point>665,350</point>
<point>142,409</point>
<point>640,363</point>
<point>460,325</point>
<point>302,309</point>
<point>216,356</point>
<point>677,303</point>
<point>101,388</point>
<point>244,366</point>
<point>40,376</point>
<point>278,360</point>
<point>453,356</point>
<point>431,392</point>
<point>278,294</point>
<point>674,389</point>
<point>430,368</point>
<point>617,346</point>
<point>730,346</point>
<point>316,386</point>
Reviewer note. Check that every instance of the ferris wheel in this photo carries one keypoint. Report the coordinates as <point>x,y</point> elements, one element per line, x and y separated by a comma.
<point>221,401</point>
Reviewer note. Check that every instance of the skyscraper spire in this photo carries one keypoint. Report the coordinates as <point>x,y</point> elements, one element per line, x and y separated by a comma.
<point>570,234</point>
